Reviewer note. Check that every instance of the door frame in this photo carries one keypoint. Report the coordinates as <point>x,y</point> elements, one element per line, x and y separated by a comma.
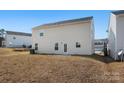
<point>65,48</point>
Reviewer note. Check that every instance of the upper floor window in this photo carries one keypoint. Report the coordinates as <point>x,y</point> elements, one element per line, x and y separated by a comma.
<point>78,45</point>
<point>41,34</point>
<point>99,43</point>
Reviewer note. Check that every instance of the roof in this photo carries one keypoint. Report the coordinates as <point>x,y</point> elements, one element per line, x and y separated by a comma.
<point>66,21</point>
<point>18,33</point>
<point>118,12</point>
<point>101,39</point>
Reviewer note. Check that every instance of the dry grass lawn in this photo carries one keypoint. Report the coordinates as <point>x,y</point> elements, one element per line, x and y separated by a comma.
<point>23,67</point>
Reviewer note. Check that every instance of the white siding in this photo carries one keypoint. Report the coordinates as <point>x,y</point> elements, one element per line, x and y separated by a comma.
<point>92,36</point>
<point>116,34</point>
<point>82,32</point>
<point>112,36</point>
<point>18,41</point>
<point>120,32</point>
<point>99,44</point>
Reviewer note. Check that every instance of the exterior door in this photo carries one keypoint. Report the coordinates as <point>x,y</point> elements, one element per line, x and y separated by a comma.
<point>36,46</point>
<point>65,47</point>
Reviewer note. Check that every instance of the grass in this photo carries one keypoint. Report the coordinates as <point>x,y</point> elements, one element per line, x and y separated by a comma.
<point>23,67</point>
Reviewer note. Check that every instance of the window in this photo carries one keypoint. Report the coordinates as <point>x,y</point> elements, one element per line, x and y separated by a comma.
<point>56,46</point>
<point>14,37</point>
<point>36,46</point>
<point>78,45</point>
<point>41,34</point>
<point>96,43</point>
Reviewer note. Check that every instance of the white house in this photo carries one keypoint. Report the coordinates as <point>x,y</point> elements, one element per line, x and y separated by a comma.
<point>17,39</point>
<point>65,37</point>
<point>116,33</point>
<point>100,44</point>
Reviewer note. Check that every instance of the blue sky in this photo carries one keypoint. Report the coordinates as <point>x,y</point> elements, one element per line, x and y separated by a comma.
<point>24,20</point>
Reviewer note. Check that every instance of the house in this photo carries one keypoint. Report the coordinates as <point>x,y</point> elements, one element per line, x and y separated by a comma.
<point>116,33</point>
<point>1,41</point>
<point>100,44</point>
<point>74,36</point>
<point>17,39</point>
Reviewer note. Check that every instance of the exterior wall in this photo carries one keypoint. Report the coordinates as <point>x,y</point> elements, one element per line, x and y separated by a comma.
<point>3,43</point>
<point>112,36</point>
<point>120,32</point>
<point>92,36</point>
<point>1,39</point>
<point>99,44</point>
<point>69,34</point>
<point>116,32</point>
<point>18,42</point>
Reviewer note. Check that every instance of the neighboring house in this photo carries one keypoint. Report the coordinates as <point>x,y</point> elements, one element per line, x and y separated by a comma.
<point>74,36</point>
<point>99,44</point>
<point>116,33</point>
<point>17,39</point>
<point>1,41</point>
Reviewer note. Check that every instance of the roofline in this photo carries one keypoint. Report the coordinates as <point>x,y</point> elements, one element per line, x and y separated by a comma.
<point>118,12</point>
<point>18,33</point>
<point>102,39</point>
<point>64,22</point>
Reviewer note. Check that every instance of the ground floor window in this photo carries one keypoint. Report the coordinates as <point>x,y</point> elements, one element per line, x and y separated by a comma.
<point>41,34</point>
<point>36,46</point>
<point>65,47</point>
<point>78,45</point>
<point>56,46</point>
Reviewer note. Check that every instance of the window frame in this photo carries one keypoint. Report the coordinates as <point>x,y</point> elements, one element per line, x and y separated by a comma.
<point>14,37</point>
<point>56,48</point>
<point>41,34</point>
<point>36,46</point>
<point>78,45</point>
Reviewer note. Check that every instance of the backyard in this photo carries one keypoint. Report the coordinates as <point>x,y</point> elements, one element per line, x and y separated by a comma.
<point>22,67</point>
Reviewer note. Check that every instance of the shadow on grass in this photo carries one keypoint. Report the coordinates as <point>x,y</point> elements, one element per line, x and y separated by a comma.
<point>101,58</point>
<point>105,59</point>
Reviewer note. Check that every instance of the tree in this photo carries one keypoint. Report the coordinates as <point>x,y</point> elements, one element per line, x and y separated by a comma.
<point>2,32</point>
